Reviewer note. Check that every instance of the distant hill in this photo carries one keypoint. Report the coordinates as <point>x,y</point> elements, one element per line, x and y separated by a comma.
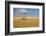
<point>26,17</point>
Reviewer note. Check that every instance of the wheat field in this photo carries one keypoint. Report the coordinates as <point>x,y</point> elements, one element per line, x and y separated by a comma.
<point>18,22</point>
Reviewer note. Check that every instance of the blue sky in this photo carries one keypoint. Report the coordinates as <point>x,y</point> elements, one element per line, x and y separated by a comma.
<point>25,12</point>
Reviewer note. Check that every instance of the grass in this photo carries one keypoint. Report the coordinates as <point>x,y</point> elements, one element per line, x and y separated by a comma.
<point>20,23</point>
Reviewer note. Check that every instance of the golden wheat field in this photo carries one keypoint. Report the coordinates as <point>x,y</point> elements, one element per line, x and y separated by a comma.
<point>18,22</point>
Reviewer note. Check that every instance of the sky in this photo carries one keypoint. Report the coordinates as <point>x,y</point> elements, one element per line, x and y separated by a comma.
<point>25,12</point>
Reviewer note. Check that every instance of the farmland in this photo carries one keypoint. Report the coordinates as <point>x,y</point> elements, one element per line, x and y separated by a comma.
<point>18,22</point>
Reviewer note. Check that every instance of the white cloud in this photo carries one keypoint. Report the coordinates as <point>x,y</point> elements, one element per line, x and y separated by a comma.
<point>21,11</point>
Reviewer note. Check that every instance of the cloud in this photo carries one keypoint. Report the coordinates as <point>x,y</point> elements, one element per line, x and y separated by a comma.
<point>21,11</point>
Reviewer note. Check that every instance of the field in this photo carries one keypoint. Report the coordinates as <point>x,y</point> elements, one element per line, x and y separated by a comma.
<point>19,22</point>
